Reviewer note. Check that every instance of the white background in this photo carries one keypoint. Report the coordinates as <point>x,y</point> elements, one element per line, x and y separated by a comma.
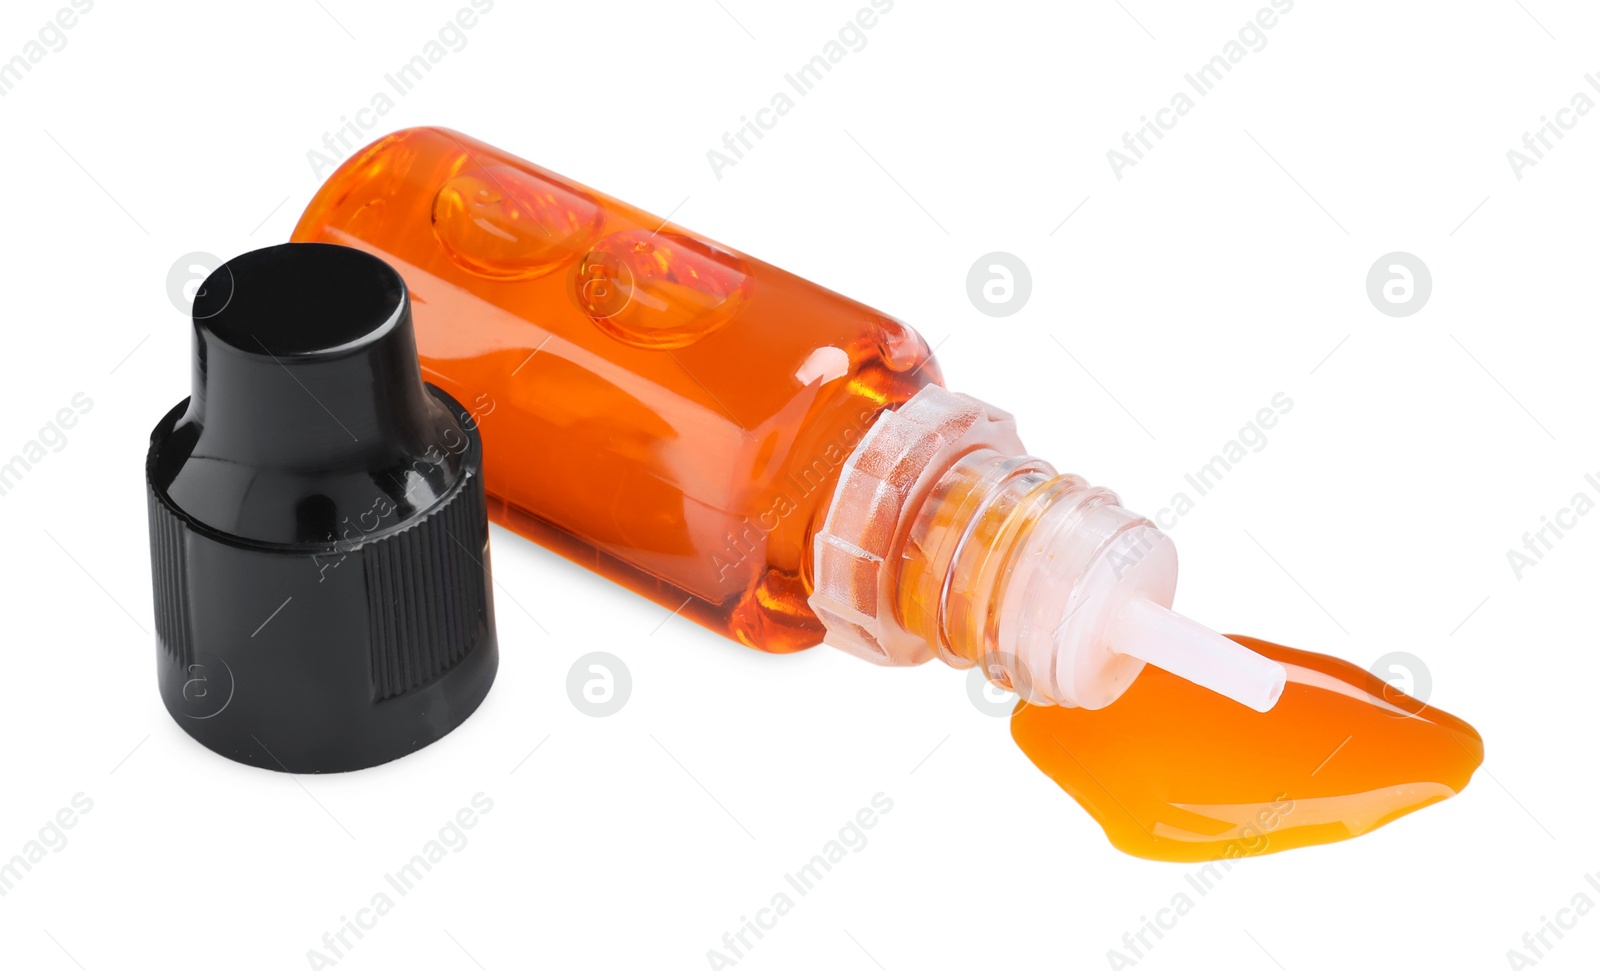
<point>1227,266</point>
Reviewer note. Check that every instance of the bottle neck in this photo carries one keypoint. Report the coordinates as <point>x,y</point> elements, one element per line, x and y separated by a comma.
<point>946,539</point>
<point>968,542</point>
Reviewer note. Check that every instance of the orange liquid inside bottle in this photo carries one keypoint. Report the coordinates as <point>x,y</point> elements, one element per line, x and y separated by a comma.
<point>656,407</point>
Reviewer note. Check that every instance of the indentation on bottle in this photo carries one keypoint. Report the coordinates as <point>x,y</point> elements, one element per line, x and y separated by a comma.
<point>659,290</point>
<point>508,224</point>
<point>901,348</point>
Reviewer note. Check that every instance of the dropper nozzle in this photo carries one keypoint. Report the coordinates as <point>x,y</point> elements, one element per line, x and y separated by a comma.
<point>1176,644</point>
<point>945,538</point>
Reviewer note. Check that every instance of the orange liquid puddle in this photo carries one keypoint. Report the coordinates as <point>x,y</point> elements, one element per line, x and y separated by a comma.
<point>1174,772</point>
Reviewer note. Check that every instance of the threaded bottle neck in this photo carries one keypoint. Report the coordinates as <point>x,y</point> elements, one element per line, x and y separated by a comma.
<point>946,539</point>
<point>969,542</point>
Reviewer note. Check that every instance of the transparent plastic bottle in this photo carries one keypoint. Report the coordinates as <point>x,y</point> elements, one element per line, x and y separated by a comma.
<point>774,460</point>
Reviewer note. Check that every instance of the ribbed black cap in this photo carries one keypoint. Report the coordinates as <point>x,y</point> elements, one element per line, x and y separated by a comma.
<point>318,533</point>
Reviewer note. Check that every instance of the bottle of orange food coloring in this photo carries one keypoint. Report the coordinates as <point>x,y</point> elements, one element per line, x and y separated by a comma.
<point>774,460</point>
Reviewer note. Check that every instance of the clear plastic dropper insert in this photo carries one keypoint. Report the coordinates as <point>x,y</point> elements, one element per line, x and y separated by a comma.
<point>945,539</point>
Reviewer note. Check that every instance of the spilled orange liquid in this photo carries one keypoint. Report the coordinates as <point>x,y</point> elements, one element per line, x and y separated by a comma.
<point>1172,771</point>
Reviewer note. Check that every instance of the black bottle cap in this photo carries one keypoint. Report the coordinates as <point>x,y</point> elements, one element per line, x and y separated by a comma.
<point>318,533</point>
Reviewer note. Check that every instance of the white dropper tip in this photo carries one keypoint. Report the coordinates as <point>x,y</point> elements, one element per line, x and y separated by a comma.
<point>1176,644</point>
